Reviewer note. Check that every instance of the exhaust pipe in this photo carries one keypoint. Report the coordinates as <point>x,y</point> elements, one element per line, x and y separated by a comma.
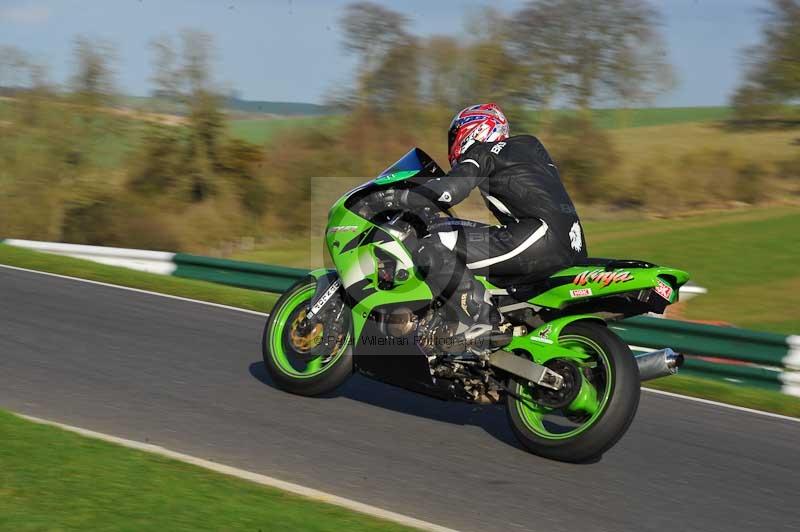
<point>659,363</point>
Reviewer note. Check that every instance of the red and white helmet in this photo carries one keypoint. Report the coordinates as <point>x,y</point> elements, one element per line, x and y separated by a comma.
<point>477,123</point>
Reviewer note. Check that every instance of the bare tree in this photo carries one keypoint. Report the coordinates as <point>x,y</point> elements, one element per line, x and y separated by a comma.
<point>387,53</point>
<point>443,71</point>
<point>93,78</point>
<point>166,69</point>
<point>772,68</point>
<point>13,65</point>
<point>371,30</point>
<point>591,49</point>
<point>197,55</point>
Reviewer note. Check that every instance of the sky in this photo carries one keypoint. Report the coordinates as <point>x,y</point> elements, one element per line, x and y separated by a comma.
<point>290,50</point>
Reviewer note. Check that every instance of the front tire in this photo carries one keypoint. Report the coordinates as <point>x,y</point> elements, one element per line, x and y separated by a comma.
<point>306,363</point>
<point>598,416</point>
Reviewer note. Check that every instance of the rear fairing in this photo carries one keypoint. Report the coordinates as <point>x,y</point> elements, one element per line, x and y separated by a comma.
<point>582,285</point>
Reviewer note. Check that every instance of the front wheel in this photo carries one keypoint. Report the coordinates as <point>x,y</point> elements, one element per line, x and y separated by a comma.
<point>594,408</point>
<point>307,357</point>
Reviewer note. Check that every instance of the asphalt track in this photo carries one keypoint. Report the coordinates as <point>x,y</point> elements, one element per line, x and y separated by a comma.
<point>189,377</point>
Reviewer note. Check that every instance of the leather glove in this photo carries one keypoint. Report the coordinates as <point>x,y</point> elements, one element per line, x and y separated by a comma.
<point>395,199</point>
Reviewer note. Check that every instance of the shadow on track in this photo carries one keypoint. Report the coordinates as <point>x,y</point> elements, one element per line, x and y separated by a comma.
<point>492,418</point>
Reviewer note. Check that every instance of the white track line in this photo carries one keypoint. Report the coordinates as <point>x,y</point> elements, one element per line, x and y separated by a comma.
<point>252,477</point>
<point>670,394</point>
<point>139,290</point>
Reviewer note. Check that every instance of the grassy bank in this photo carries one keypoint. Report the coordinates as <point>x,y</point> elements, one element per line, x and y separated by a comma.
<point>723,392</point>
<point>746,258</point>
<point>261,130</point>
<point>51,479</point>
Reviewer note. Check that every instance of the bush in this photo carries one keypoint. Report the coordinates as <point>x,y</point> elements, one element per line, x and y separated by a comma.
<point>750,181</point>
<point>585,157</point>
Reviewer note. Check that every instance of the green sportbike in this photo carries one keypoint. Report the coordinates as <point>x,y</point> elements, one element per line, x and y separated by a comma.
<point>570,385</point>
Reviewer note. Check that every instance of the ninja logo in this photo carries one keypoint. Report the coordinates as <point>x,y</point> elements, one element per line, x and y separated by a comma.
<point>602,277</point>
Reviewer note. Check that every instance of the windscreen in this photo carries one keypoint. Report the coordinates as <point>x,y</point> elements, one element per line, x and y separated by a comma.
<point>409,165</point>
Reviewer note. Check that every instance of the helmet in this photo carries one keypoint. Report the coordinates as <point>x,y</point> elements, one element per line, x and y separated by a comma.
<point>477,123</point>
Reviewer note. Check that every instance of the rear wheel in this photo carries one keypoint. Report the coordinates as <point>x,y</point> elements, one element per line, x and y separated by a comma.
<point>594,408</point>
<point>307,357</point>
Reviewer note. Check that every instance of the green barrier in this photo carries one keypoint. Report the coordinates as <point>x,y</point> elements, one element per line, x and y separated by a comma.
<point>689,338</point>
<point>700,339</point>
<point>236,273</point>
<point>760,377</point>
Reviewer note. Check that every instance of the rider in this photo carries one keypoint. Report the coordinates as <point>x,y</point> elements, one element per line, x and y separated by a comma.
<point>539,231</point>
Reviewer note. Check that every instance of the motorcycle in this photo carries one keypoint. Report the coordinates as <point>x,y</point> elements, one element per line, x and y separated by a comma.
<point>570,385</point>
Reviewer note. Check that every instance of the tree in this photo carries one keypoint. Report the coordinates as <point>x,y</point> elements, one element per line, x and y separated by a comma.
<point>166,76</point>
<point>590,50</point>
<point>491,72</point>
<point>442,71</point>
<point>197,53</point>
<point>772,68</point>
<point>371,30</point>
<point>388,70</point>
<point>13,67</point>
<point>93,78</point>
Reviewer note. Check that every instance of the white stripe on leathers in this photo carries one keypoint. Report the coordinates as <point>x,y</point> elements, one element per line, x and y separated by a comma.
<point>532,239</point>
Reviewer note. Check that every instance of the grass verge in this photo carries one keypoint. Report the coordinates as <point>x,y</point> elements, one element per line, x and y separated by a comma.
<point>746,258</point>
<point>723,392</point>
<point>51,479</point>
<point>214,293</point>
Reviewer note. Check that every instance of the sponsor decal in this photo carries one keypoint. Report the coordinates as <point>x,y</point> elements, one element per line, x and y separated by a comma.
<point>602,277</point>
<point>335,285</point>
<point>497,147</point>
<point>580,292</point>
<point>542,336</point>
<point>575,238</point>
<point>343,229</point>
<point>664,290</point>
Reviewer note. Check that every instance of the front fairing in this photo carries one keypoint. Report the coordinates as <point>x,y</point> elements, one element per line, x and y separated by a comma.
<point>358,241</point>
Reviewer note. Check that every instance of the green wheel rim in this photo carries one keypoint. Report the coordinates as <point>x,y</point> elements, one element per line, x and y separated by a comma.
<point>280,355</point>
<point>588,400</point>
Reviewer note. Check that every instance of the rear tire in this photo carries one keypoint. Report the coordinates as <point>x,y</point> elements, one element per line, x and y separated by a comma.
<point>290,368</point>
<point>608,424</point>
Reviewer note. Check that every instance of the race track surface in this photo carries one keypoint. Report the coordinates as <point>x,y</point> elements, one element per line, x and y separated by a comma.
<point>189,377</point>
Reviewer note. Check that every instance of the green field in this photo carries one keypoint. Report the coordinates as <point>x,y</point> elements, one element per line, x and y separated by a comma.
<point>261,130</point>
<point>51,479</point>
<point>642,117</point>
<point>746,258</point>
<point>659,116</point>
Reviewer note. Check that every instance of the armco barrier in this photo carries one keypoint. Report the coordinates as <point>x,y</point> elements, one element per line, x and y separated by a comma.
<point>723,353</point>
<point>728,353</point>
<point>236,273</point>
<point>222,271</point>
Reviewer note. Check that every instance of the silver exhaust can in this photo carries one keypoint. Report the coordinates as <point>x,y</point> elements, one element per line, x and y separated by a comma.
<point>659,363</point>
